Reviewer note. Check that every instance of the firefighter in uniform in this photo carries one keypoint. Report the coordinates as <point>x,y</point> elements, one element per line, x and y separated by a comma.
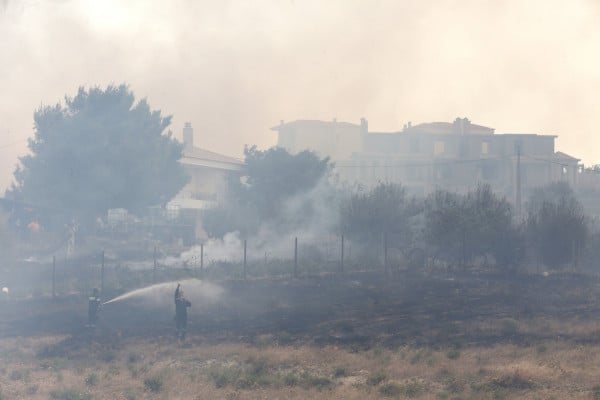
<point>181,306</point>
<point>93,308</point>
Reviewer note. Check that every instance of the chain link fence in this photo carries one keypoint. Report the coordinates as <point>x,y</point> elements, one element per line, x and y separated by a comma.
<point>238,259</point>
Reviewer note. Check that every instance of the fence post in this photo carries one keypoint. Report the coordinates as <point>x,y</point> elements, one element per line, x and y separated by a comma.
<point>245,246</point>
<point>154,270</point>
<point>102,276</point>
<point>342,255</point>
<point>201,260</point>
<point>385,253</point>
<point>295,257</point>
<point>53,277</point>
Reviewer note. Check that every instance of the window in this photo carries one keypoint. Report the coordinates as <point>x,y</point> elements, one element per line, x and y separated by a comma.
<point>439,147</point>
<point>485,147</point>
<point>414,145</point>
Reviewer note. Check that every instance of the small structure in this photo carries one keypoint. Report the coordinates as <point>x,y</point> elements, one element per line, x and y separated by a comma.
<point>208,172</point>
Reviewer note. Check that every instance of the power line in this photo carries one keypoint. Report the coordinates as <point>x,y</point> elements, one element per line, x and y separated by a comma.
<point>423,164</point>
<point>447,162</point>
<point>546,161</point>
<point>12,143</point>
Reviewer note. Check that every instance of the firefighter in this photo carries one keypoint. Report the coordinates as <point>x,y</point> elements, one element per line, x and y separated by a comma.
<point>181,306</point>
<point>177,293</point>
<point>93,308</point>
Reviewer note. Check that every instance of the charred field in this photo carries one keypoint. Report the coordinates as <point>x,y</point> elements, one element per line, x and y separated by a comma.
<point>459,335</point>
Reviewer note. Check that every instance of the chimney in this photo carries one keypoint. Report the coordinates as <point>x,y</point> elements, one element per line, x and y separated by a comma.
<point>364,126</point>
<point>188,135</point>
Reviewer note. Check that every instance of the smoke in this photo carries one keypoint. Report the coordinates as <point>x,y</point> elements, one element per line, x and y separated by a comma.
<point>236,68</point>
<point>309,216</point>
<point>225,249</point>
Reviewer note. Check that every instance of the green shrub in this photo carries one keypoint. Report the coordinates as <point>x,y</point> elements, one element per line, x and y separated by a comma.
<point>319,382</point>
<point>541,349</point>
<point>224,376</point>
<point>453,354</point>
<point>130,395</point>
<point>134,357</point>
<point>376,378</point>
<point>20,375</point>
<point>69,394</point>
<point>31,390</point>
<point>55,363</point>
<point>91,379</point>
<point>108,356</point>
<point>412,388</point>
<point>340,372</point>
<point>291,380</point>
<point>421,355</point>
<point>390,390</point>
<point>153,384</point>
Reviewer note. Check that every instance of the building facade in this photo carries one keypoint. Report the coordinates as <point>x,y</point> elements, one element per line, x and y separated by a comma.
<point>208,174</point>
<point>453,156</point>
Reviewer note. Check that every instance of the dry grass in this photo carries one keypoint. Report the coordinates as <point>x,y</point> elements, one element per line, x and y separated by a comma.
<point>164,369</point>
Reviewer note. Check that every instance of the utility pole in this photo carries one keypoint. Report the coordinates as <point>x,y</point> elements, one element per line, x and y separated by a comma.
<point>245,247</point>
<point>296,257</point>
<point>53,277</point>
<point>342,255</point>
<point>201,260</point>
<point>102,275</point>
<point>154,270</point>
<point>518,182</point>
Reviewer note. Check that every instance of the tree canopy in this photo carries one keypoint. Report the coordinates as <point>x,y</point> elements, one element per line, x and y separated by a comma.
<point>460,227</point>
<point>100,150</point>
<point>385,209</point>
<point>275,188</point>
<point>556,224</point>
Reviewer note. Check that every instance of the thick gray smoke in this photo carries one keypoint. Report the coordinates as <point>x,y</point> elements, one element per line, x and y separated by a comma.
<point>312,217</point>
<point>236,68</point>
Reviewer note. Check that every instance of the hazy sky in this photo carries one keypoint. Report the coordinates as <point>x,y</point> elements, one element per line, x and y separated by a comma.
<point>235,68</point>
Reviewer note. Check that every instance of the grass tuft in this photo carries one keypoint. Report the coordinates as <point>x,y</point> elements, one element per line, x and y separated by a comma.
<point>69,394</point>
<point>453,354</point>
<point>91,379</point>
<point>376,378</point>
<point>153,384</point>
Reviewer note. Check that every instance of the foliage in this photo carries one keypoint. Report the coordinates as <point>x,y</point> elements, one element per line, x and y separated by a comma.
<point>453,354</point>
<point>409,389</point>
<point>69,394</point>
<point>274,181</point>
<point>376,378</point>
<point>461,227</point>
<point>366,216</point>
<point>100,150</point>
<point>7,242</point>
<point>91,379</point>
<point>153,384</point>
<point>340,371</point>
<point>556,225</point>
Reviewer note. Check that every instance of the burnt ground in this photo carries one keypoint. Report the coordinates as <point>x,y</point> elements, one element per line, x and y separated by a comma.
<point>357,310</point>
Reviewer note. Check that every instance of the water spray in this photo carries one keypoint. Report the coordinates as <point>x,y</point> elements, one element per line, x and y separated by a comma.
<point>194,288</point>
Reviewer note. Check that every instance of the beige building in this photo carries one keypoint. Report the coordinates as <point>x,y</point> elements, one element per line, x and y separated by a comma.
<point>453,156</point>
<point>337,140</point>
<point>208,173</point>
